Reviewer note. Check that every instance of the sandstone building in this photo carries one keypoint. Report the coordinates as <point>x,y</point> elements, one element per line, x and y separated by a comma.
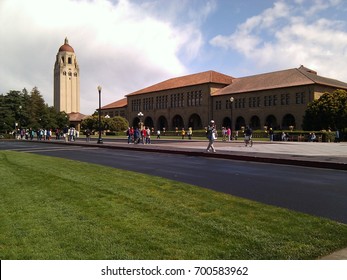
<point>277,99</point>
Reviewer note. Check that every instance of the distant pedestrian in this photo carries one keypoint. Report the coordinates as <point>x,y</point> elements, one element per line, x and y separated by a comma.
<point>183,133</point>
<point>148,136</point>
<point>190,133</point>
<point>248,137</point>
<point>224,134</point>
<point>211,136</point>
<point>88,133</point>
<point>158,134</point>
<point>229,132</point>
<point>337,136</point>
<point>271,133</point>
<point>136,136</point>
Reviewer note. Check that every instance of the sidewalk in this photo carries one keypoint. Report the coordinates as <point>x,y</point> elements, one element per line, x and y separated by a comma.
<point>319,155</point>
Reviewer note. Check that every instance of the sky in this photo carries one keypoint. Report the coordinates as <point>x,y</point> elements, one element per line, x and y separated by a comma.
<point>127,45</point>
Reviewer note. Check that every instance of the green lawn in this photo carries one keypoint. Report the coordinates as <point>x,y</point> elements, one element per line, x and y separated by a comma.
<point>53,208</point>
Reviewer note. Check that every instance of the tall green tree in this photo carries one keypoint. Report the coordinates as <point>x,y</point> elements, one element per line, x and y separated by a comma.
<point>20,109</point>
<point>329,111</point>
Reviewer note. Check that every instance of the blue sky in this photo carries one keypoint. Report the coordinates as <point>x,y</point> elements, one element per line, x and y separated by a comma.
<point>126,45</point>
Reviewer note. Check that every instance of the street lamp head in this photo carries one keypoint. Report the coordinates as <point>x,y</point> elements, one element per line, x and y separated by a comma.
<point>140,114</point>
<point>99,88</point>
<point>231,99</point>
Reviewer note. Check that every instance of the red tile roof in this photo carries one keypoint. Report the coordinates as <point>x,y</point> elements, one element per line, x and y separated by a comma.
<point>117,104</point>
<point>280,79</point>
<point>189,80</point>
<point>76,117</point>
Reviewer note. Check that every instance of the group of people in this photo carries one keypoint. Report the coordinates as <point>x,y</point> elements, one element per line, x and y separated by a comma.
<point>138,135</point>
<point>211,135</point>
<point>189,133</point>
<point>68,134</point>
<point>30,134</point>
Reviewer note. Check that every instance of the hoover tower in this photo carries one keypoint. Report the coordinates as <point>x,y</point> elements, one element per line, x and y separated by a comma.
<point>66,80</point>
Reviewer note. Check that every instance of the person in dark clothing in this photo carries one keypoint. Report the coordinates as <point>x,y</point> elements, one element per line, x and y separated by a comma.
<point>248,137</point>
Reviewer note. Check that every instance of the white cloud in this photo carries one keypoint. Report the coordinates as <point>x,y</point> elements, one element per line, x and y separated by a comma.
<point>284,36</point>
<point>120,45</point>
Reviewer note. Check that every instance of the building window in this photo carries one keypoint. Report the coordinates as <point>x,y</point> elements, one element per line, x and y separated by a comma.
<point>228,104</point>
<point>300,98</point>
<point>218,105</point>
<point>194,98</point>
<point>69,60</point>
<point>240,103</point>
<point>161,102</point>
<point>285,99</point>
<point>136,105</point>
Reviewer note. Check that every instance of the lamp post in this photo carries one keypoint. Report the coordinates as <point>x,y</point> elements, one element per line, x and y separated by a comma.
<point>20,117</point>
<point>99,122</point>
<point>231,112</point>
<point>140,115</point>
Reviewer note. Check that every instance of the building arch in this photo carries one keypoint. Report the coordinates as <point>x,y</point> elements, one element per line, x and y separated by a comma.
<point>226,122</point>
<point>271,121</point>
<point>240,122</point>
<point>149,122</point>
<point>162,123</point>
<point>177,121</point>
<point>136,122</point>
<point>287,121</point>
<point>195,122</point>
<point>255,122</point>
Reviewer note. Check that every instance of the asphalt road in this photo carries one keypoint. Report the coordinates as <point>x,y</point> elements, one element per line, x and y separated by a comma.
<point>319,192</point>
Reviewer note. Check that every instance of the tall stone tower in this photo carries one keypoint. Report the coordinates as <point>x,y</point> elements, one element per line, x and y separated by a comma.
<point>66,80</point>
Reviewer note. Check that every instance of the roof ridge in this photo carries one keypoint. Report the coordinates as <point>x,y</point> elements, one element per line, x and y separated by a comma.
<point>304,73</point>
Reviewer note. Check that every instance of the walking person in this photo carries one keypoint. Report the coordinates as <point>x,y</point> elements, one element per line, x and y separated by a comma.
<point>190,133</point>
<point>148,136</point>
<point>211,136</point>
<point>183,133</point>
<point>229,132</point>
<point>88,133</point>
<point>248,137</point>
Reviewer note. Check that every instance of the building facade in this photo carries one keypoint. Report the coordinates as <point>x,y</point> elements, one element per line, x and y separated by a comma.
<point>66,80</point>
<point>278,100</point>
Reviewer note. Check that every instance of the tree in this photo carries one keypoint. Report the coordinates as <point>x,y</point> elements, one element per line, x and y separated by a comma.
<point>118,124</point>
<point>112,124</point>
<point>90,123</point>
<point>20,109</point>
<point>329,111</point>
